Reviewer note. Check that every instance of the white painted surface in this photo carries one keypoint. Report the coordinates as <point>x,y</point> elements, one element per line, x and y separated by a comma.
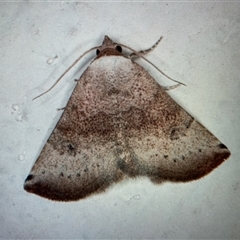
<point>201,48</point>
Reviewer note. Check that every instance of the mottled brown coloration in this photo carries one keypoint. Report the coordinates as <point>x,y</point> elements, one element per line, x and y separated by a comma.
<point>120,122</point>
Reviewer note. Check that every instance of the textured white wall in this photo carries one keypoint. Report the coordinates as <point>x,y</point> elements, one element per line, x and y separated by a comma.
<point>201,48</point>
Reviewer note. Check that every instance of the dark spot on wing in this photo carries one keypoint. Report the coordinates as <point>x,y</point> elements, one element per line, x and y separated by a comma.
<point>29,177</point>
<point>222,146</point>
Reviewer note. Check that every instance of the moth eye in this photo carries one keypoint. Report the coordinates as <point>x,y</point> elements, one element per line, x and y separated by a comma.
<point>97,51</point>
<point>118,48</point>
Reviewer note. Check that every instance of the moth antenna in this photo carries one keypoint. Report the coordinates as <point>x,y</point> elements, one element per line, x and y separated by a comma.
<point>164,74</point>
<point>66,71</point>
<point>142,52</point>
<point>139,54</point>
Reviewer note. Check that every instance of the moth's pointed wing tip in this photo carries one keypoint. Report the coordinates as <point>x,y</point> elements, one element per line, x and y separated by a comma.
<point>27,183</point>
<point>30,184</point>
<point>57,190</point>
<point>220,155</point>
<point>194,170</point>
<point>224,153</point>
<point>34,185</point>
<point>224,150</point>
<point>221,145</point>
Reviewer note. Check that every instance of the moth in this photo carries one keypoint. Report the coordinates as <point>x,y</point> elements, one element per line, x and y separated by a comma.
<point>119,122</point>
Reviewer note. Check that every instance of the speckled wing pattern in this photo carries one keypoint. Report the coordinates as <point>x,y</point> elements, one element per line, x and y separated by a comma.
<point>119,122</point>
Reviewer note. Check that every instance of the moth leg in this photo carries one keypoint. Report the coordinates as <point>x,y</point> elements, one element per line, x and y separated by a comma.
<point>166,88</point>
<point>60,109</point>
<point>143,52</point>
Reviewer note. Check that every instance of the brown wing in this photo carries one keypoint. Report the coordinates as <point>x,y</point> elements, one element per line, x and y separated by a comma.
<point>165,142</point>
<point>118,122</point>
<point>78,158</point>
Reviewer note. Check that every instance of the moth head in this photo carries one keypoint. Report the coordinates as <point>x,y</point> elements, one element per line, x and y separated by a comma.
<point>108,48</point>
